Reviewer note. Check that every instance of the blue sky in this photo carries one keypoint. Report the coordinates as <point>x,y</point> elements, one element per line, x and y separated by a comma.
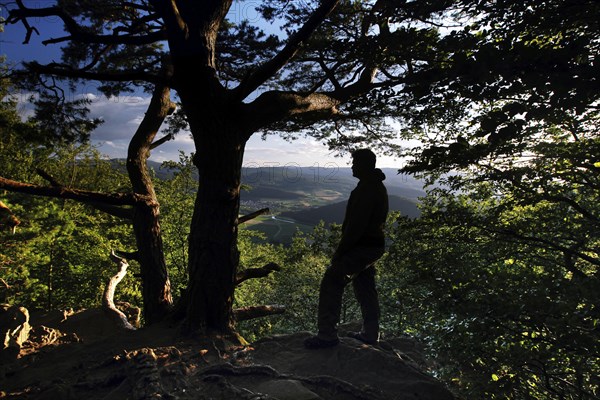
<point>122,114</point>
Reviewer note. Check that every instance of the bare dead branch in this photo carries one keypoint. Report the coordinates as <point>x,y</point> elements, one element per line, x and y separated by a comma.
<point>253,215</point>
<point>252,273</point>
<point>247,313</point>
<point>108,304</point>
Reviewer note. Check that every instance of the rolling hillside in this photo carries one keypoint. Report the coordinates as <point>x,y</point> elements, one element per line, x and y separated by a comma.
<point>334,213</point>
<point>333,183</point>
<point>293,182</point>
<point>300,197</point>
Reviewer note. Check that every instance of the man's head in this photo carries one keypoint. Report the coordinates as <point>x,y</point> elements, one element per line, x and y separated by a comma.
<point>363,162</point>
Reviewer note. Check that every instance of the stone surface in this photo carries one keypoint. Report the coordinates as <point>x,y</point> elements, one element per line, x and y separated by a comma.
<point>287,389</point>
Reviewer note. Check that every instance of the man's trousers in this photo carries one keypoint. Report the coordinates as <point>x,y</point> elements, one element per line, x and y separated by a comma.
<point>356,266</point>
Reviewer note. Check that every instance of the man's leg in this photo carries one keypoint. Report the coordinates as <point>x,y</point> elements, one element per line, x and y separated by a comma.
<point>366,294</point>
<point>330,300</point>
<point>334,280</point>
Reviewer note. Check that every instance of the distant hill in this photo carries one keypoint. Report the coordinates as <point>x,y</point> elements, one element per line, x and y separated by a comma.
<point>317,185</point>
<point>334,213</point>
<point>271,193</point>
<point>330,184</point>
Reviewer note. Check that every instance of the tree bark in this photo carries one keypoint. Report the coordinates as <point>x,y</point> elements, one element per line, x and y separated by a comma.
<point>156,287</point>
<point>213,252</point>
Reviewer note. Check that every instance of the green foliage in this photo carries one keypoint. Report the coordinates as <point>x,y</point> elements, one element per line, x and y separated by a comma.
<point>61,121</point>
<point>516,69</point>
<point>58,257</point>
<point>176,196</point>
<point>501,281</point>
<point>296,286</point>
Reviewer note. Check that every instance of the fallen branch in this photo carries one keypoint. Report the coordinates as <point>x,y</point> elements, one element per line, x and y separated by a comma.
<point>253,215</point>
<point>252,273</point>
<point>246,313</point>
<point>108,304</point>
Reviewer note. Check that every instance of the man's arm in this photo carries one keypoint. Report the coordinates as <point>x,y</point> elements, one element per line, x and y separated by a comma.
<point>357,219</point>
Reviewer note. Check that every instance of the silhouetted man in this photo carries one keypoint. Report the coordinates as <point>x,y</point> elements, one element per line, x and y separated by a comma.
<point>361,245</point>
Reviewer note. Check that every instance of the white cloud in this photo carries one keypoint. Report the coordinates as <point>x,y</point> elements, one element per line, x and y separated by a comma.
<point>122,116</point>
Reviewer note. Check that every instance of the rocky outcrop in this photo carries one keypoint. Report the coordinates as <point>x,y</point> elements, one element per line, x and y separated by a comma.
<point>349,370</point>
<point>155,362</point>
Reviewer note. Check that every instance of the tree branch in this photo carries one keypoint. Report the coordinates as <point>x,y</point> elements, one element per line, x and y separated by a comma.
<point>8,218</point>
<point>544,243</point>
<point>128,255</point>
<point>252,273</point>
<point>162,140</point>
<point>139,147</point>
<point>170,14</point>
<point>115,211</point>
<point>576,206</point>
<point>253,215</point>
<point>267,70</point>
<point>84,196</point>
<point>276,105</point>
<point>74,29</point>
<point>65,72</point>
<point>246,313</point>
<point>53,182</point>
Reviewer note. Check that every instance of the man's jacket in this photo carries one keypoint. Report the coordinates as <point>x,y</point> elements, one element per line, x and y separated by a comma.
<point>365,214</point>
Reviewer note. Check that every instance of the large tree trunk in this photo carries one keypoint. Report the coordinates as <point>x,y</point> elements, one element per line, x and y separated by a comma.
<point>213,252</point>
<point>219,143</point>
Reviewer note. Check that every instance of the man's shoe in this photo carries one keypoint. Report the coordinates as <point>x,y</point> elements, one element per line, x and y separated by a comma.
<point>362,338</point>
<point>315,342</point>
